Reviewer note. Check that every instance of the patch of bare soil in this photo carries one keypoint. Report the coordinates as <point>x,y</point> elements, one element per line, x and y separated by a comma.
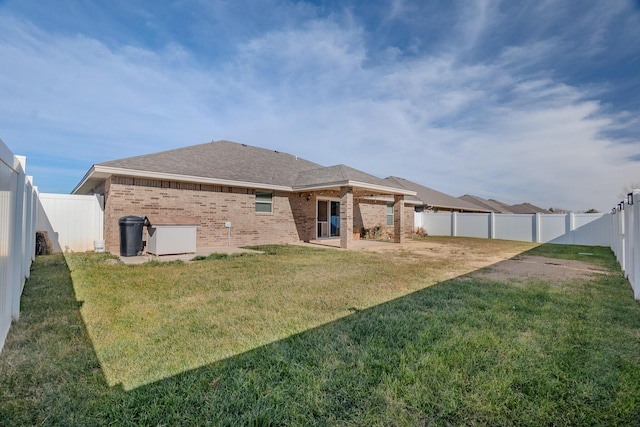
<point>489,259</point>
<point>451,258</point>
<point>524,268</point>
<point>476,255</point>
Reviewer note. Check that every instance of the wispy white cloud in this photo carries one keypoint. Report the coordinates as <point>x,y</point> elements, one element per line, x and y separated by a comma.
<point>507,125</point>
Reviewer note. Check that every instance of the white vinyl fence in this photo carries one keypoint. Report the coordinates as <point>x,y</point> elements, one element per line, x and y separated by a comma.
<point>72,222</point>
<point>18,199</point>
<point>625,238</point>
<point>575,229</point>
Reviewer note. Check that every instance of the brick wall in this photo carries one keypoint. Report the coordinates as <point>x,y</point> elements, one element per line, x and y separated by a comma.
<point>373,213</point>
<point>292,219</point>
<point>370,213</point>
<point>212,206</point>
<point>409,214</point>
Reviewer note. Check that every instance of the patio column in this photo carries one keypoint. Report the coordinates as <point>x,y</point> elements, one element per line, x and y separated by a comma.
<point>398,219</point>
<point>346,217</point>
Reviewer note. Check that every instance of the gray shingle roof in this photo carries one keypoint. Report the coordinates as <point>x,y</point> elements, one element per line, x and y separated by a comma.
<point>429,196</point>
<point>484,203</point>
<point>505,207</point>
<point>339,174</point>
<point>527,208</point>
<point>500,207</point>
<point>223,160</point>
<point>230,163</point>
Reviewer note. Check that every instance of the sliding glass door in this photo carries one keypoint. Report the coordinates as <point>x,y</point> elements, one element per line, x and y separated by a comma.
<point>328,219</point>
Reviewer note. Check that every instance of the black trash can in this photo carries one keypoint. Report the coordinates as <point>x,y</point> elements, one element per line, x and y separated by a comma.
<point>131,235</point>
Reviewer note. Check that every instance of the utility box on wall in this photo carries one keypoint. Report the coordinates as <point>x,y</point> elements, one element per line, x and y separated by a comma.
<point>171,236</point>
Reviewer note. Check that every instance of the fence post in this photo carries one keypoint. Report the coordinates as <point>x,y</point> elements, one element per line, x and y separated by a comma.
<point>492,225</point>
<point>615,230</point>
<point>18,241</point>
<point>629,230</point>
<point>29,233</point>
<point>454,224</point>
<point>622,240</point>
<point>635,244</point>
<point>34,217</point>
<point>537,227</point>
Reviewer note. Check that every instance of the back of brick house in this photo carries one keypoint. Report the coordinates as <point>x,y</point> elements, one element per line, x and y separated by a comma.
<point>267,196</point>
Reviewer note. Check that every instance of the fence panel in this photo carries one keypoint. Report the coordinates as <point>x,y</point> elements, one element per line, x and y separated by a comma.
<point>436,224</point>
<point>8,181</point>
<point>592,230</point>
<point>515,227</point>
<point>553,226</point>
<point>73,222</point>
<point>578,229</point>
<point>16,222</point>
<point>472,225</point>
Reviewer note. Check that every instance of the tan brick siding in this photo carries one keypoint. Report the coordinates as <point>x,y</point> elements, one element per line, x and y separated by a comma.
<point>213,206</point>
<point>373,213</point>
<point>293,218</point>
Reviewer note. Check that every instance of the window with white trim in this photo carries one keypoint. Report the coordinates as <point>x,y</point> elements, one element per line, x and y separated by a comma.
<point>264,201</point>
<point>389,213</point>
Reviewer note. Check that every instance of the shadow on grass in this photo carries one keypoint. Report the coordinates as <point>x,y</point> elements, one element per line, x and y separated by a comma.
<point>49,372</point>
<point>467,351</point>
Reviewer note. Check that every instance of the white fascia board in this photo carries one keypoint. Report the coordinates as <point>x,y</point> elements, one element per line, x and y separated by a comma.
<point>390,199</point>
<point>84,179</point>
<point>186,178</point>
<point>382,188</point>
<point>379,188</point>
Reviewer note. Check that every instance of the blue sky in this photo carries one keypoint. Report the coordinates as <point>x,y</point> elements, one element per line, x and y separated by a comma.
<point>533,101</point>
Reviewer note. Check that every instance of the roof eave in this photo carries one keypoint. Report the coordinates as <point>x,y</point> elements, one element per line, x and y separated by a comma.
<point>85,179</point>
<point>348,183</point>
<point>103,172</point>
<point>387,198</point>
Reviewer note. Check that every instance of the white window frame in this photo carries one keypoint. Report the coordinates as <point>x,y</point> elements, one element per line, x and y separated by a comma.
<point>264,202</point>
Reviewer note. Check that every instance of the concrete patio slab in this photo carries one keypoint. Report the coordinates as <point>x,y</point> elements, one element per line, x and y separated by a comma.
<point>141,259</point>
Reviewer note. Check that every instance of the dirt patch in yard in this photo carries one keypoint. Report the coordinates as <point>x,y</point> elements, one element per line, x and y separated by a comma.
<point>496,260</point>
<point>524,268</point>
<point>458,256</point>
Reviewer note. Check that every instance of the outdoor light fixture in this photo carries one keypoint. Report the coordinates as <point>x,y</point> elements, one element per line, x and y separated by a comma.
<point>621,205</point>
<point>630,198</point>
<point>613,211</point>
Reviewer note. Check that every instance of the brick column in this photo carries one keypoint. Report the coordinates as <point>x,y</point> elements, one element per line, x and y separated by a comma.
<point>346,217</point>
<point>398,219</point>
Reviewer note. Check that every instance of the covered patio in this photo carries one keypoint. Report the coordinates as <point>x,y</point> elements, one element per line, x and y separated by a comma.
<point>344,196</point>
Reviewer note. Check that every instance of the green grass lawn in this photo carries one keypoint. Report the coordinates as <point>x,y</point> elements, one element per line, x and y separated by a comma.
<point>303,336</point>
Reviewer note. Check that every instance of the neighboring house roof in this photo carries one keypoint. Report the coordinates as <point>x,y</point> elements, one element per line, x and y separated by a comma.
<point>500,207</point>
<point>433,198</point>
<point>503,206</point>
<point>528,208</point>
<point>233,164</point>
<point>486,204</point>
